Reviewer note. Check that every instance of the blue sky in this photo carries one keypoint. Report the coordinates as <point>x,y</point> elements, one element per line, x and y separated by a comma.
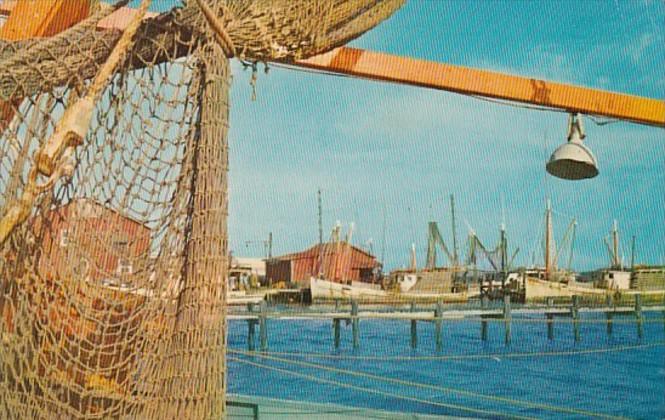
<point>377,148</point>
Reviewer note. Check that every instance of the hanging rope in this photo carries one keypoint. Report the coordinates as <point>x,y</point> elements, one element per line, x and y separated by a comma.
<point>338,384</point>
<point>456,357</point>
<point>437,388</point>
<point>221,36</point>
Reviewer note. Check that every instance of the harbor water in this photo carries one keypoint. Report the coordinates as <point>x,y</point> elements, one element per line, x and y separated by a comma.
<point>601,375</point>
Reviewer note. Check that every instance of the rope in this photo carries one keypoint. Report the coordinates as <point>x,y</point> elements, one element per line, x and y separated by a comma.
<point>376,391</point>
<point>414,384</point>
<point>464,356</point>
<point>221,35</point>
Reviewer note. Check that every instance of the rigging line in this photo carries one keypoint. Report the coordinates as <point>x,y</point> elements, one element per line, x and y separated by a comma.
<point>376,391</point>
<point>442,389</point>
<point>459,356</point>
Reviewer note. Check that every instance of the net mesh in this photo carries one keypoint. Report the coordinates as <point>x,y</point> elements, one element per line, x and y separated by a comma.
<point>114,265</point>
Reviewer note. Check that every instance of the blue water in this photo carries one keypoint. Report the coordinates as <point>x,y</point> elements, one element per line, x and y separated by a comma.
<point>629,382</point>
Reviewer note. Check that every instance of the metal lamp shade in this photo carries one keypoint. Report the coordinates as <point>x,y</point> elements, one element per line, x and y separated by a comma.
<point>572,160</point>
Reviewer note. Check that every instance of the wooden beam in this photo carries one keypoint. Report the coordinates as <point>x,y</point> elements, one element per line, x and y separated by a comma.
<point>39,18</point>
<point>409,71</point>
<point>469,81</point>
<point>117,20</point>
<point>33,19</point>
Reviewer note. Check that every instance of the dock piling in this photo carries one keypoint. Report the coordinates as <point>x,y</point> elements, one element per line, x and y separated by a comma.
<point>550,320</point>
<point>251,329</point>
<point>609,314</point>
<point>507,317</point>
<point>355,324</point>
<point>263,326</point>
<point>336,332</point>
<point>438,315</point>
<point>251,334</point>
<point>638,315</point>
<point>483,322</point>
<point>414,328</point>
<point>574,312</point>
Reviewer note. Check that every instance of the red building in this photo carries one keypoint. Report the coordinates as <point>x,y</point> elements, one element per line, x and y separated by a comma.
<point>336,261</point>
<point>87,241</point>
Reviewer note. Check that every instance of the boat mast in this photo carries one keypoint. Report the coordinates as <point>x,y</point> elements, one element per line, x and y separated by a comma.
<point>503,248</point>
<point>452,213</point>
<point>548,239</point>
<point>383,237</point>
<point>320,262</point>
<point>414,263</point>
<point>347,254</point>
<point>616,263</point>
<point>572,247</point>
<point>336,238</point>
<point>632,254</point>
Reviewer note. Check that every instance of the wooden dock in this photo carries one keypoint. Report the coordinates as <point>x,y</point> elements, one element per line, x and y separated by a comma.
<point>438,314</point>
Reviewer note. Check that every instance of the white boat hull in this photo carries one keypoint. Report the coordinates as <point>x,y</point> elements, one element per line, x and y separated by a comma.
<point>324,289</point>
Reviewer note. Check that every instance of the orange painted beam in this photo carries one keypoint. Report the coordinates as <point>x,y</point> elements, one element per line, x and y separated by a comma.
<point>458,79</point>
<point>38,18</point>
<point>41,18</point>
<point>469,81</point>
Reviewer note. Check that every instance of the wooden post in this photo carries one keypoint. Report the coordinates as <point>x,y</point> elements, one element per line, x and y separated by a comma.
<point>507,317</point>
<point>414,328</point>
<point>251,334</point>
<point>263,327</point>
<point>609,314</point>
<point>550,320</point>
<point>663,314</point>
<point>438,314</point>
<point>575,315</point>
<point>355,324</point>
<point>336,332</point>
<point>251,329</point>
<point>638,315</point>
<point>483,322</point>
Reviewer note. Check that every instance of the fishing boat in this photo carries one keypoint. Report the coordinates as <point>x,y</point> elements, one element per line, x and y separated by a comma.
<point>328,290</point>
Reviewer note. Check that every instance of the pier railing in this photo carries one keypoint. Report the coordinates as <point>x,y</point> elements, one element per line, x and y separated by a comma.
<point>569,313</point>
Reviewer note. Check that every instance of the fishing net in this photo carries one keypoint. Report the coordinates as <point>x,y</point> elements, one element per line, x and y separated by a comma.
<point>114,241</point>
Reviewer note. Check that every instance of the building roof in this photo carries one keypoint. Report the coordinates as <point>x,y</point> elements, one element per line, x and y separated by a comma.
<point>256,265</point>
<point>326,248</point>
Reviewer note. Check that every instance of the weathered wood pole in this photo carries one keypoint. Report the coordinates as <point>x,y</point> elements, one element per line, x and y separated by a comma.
<point>483,321</point>
<point>664,315</point>
<point>355,324</point>
<point>550,320</point>
<point>414,328</point>
<point>251,329</point>
<point>336,332</point>
<point>638,315</point>
<point>609,314</point>
<point>574,312</point>
<point>251,334</point>
<point>438,315</point>
<point>263,327</point>
<point>507,317</point>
